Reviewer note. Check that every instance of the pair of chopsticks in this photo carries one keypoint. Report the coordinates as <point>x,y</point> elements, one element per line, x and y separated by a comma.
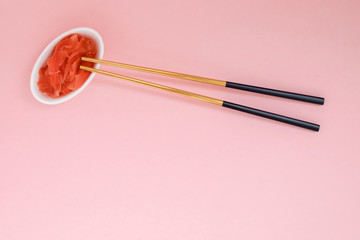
<point>267,91</point>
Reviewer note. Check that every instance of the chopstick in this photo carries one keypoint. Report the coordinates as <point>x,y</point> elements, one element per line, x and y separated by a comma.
<point>269,115</point>
<point>245,87</point>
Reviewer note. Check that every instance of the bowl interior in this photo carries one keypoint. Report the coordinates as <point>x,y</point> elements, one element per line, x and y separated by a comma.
<point>46,53</point>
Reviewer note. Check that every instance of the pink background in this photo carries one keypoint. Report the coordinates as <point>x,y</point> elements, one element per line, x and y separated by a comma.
<point>122,161</point>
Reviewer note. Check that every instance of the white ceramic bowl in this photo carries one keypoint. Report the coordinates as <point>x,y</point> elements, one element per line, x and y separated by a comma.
<point>46,53</point>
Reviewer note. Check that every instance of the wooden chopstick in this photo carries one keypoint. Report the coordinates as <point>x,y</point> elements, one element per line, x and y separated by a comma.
<point>245,87</point>
<point>269,115</point>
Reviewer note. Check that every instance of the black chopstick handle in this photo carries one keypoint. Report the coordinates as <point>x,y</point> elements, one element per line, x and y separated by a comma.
<point>273,116</point>
<point>277,93</point>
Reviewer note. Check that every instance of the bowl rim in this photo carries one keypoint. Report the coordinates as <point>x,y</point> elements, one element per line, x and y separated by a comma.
<point>43,98</point>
